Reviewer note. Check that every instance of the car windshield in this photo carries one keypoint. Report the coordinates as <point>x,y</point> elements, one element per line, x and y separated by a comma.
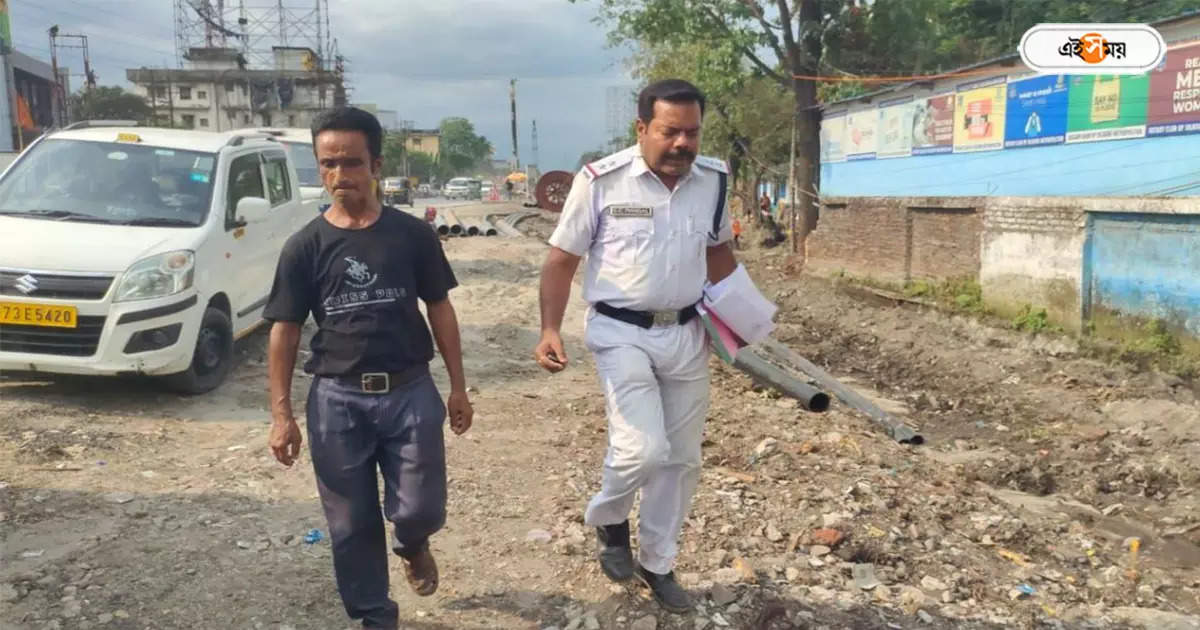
<point>108,182</point>
<point>306,163</point>
<point>459,181</point>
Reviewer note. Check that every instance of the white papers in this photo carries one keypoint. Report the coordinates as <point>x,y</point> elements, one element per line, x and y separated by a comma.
<point>739,304</point>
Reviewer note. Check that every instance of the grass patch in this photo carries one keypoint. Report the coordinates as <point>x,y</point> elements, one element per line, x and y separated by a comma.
<point>960,294</point>
<point>1031,320</point>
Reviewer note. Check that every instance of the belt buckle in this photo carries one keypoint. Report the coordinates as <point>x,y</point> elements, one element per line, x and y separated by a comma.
<point>376,382</point>
<point>666,318</point>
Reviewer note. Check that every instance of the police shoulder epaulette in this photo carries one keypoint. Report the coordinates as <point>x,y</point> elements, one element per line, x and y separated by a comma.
<point>611,163</point>
<point>712,163</point>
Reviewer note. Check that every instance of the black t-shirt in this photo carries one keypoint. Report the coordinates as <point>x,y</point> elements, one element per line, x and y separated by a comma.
<point>361,287</point>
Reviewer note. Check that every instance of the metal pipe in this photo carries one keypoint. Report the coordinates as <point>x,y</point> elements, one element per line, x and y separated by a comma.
<point>440,224</point>
<point>456,227</point>
<point>898,430</point>
<point>810,397</point>
<point>489,229</point>
<point>472,229</point>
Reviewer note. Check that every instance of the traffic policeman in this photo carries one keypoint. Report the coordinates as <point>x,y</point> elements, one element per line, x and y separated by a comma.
<point>651,222</point>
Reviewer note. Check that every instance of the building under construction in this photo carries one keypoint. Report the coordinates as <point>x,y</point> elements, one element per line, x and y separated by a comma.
<point>246,66</point>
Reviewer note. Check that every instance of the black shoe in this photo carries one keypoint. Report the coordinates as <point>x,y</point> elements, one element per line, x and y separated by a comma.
<point>669,594</point>
<point>616,558</point>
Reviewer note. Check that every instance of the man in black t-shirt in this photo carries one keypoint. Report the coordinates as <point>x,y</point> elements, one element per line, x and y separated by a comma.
<point>359,268</point>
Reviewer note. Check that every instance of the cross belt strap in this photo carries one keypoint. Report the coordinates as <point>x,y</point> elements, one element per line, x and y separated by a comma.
<point>647,319</point>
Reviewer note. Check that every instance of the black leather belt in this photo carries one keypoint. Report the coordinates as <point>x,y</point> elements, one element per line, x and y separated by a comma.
<point>647,319</point>
<point>382,382</point>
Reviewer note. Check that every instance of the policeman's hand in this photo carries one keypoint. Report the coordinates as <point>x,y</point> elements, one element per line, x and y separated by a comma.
<point>458,406</point>
<point>549,352</point>
<point>285,440</point>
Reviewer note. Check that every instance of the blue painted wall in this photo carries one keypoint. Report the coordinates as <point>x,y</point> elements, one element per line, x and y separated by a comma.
<point>1145,264</point>
<point>1159,166</point>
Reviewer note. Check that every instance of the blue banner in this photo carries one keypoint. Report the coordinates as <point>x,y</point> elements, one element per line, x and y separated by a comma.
<point>1036,112</point>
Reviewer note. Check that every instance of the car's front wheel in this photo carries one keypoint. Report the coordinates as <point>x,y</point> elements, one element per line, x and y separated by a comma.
<point>212,357</point>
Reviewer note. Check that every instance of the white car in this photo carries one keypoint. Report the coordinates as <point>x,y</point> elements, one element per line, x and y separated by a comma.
<point>130,250</point>
<point>299,145</point>
<point>459,188</point>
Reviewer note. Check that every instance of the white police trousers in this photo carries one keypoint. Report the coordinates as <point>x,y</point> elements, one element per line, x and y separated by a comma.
<point>655,384</point>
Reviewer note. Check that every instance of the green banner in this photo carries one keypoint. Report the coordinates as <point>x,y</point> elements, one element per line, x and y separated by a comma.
<point>5,29</point>
<point>1107,107</point>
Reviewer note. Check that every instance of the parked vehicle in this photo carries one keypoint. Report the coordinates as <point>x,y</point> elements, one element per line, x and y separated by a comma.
<point>486,188</point>
<point>396,191</point>
<point>298,142</point>
<point>131,250</point>
<point>461,188</point>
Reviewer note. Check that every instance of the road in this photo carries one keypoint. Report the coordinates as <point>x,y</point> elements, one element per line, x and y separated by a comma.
<point>125,507</point>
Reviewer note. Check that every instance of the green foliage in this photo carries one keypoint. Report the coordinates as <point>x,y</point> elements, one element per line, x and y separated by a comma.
<point>1031,320</point>
<point>963,293</point>
<point>461,149</point>
<point>1157,338</point>
<point>108,103</point>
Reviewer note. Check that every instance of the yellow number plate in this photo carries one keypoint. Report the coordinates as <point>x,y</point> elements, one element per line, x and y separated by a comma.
<point>38,315</point>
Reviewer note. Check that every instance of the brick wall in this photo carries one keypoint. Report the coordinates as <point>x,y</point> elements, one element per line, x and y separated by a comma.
<point>897,239</point>
<point>1025,216</point>
<point>863,237</point>
<point>945,242</point>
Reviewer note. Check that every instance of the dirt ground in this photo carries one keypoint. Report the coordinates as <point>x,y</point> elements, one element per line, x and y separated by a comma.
<point>124,507</point>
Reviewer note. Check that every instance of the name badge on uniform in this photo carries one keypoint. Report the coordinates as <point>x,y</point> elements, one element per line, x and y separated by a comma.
<point>630,212</point>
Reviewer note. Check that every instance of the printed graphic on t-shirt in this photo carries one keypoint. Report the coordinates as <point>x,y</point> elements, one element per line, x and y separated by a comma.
<point>359,276</point>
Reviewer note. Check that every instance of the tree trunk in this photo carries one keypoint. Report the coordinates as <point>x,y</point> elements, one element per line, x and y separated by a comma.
<point>807,156</point>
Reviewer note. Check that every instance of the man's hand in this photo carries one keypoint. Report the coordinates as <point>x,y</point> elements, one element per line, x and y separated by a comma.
<point>285,440</point>
<point>549,352</point>
<point>458,406</point>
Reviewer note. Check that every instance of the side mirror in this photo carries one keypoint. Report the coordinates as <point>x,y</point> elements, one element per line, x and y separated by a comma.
<point>253,209</point>
<point>311,194</point>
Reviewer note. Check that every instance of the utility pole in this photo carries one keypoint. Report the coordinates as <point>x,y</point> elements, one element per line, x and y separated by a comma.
<point>512,95</point>
<point>535,146</point>
<point>405,126</point>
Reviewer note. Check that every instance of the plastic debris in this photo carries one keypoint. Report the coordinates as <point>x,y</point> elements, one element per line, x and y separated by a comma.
<point>313,536</point>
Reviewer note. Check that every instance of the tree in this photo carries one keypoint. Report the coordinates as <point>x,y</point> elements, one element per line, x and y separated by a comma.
<point>422,165</point>
<point>730,34</point>
<point>588,157</point>
<point>108,103</point>
<point>816,49</point>
<point>749,114</point>
<point>461,149</point>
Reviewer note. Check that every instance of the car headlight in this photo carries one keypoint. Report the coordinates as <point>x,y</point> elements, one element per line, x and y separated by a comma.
<point>158,276</point>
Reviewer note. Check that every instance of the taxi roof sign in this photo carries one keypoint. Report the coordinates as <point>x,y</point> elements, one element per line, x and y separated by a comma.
<point>128,137</point>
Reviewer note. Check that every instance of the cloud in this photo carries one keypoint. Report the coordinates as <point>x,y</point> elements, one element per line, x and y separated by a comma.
<point>426,59</point>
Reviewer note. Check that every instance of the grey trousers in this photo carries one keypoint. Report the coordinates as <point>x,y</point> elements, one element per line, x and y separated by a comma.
<point>351,434</point>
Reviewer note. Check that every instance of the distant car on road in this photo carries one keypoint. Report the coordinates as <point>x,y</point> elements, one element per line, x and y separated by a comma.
<point>486,188</point>
<point>461,188</point>
<point>396,191</point>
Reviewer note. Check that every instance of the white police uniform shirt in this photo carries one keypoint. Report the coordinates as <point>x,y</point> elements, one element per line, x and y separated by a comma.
<point>645,244</point>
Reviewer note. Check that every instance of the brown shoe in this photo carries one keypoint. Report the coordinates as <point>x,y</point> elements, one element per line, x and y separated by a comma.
<point>422,573</point>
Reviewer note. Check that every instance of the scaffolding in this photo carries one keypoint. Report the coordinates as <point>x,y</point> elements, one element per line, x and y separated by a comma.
<point>255,30</point>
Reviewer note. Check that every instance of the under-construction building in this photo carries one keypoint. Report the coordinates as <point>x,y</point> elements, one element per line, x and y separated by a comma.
<point>242,66</point>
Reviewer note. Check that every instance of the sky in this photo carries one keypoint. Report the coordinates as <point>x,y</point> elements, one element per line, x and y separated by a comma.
<point>426,59</point>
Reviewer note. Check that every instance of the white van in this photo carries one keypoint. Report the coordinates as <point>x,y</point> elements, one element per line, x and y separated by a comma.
<point>299,145</point>
<point>131,250</point>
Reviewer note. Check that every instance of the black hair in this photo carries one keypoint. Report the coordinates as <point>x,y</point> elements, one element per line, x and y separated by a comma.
<point>350,119</point>
<point>670,90</point>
